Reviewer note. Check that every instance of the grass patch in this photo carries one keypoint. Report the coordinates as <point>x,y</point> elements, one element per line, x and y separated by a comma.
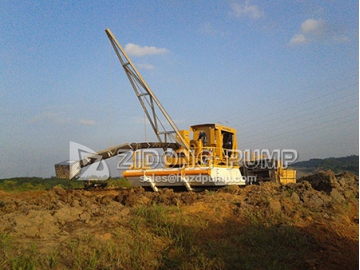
<point>37,184</point>
<point>118,183</point>
<point>14,257</point>
<point>261,247</point>
<point>179,232</point>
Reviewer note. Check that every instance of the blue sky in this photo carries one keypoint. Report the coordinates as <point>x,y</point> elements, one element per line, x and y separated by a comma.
<point>283,73</point>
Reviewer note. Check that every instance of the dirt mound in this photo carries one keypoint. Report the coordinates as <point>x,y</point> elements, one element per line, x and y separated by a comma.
<point>338,187</point>
<point>327,181</point>
<point>136,196</point>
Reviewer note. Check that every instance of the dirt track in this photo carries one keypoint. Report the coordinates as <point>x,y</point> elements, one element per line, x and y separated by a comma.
<point>324,207</point>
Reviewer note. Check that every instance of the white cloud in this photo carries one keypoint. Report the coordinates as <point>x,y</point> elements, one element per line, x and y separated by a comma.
<point>246,10</point>
<point>298,39</point>
<point>55,118</point>
<point>45,116</point>
<point>314,27</point>
<point>136,50</point>
<point>86,122</point>
<point>312,30</point>
<point>209,29</point>
<point>340,39</point>
<point>49,117</point>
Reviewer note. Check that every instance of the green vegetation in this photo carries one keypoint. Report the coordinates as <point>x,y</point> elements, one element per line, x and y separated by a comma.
<point>35,183</point>
<point>337,165</point>
<point>118,183</point>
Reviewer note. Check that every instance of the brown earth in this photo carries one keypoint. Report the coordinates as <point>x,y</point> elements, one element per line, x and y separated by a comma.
<point>322,207</point>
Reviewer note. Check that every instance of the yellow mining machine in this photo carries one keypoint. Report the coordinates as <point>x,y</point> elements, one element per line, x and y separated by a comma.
<point>263,169</point>
<point>207,155</point>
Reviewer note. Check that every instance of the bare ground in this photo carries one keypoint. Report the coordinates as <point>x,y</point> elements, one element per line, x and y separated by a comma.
<point>318,215</point>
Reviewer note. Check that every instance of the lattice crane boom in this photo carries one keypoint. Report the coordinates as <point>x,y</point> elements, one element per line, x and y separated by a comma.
<point>147,98</point>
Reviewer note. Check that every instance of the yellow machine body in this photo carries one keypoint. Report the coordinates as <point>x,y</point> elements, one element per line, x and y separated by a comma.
<point>208,158</point>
